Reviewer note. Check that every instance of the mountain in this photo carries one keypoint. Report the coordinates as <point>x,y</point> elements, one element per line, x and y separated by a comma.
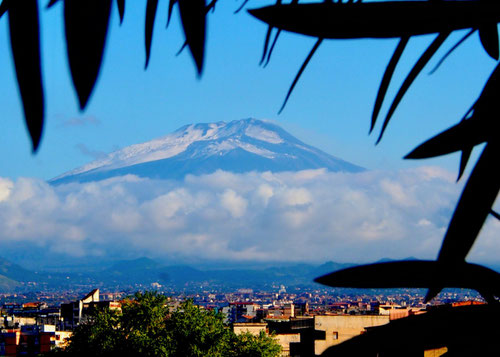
<point>15,272</point>
<point>13,277</point>
<point>8,285</point>
<point>238,146</point>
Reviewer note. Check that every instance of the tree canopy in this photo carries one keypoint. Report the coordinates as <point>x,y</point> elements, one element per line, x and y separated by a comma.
<point>146,327</point>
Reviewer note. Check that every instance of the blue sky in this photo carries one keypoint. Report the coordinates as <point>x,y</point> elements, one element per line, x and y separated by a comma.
<point>399,209</point>
<point>330,107</point>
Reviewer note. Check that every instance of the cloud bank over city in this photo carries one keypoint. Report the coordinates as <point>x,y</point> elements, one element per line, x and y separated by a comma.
<point>310,216</point>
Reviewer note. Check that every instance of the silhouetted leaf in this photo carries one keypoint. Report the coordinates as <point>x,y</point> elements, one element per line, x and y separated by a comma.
<point>270,52</point>
<point>481,127</point>
<point>386,79</point>
<point>193,23</point>
<point>86,25</point>
<point>495,214</point>
<point>241,7</point>
<point>211,6</point>
<point>3,7</point>
<point>25,44</point>
<point>415,274</point>
<point>473,207</point>
<point>299,73</point>
<point>171,4</point>
<point>489,39</point>
<point>184,45</point>
<point>379,19</point>
<point>208,8</point>
<point>52,3</point>
<point>486,107</point>
<point>121,9</point>
<point>440,62</point>
<point>150,22</point>
<point>422,61</point>
<point>464,159</point>
<point>459,137</point>
<point>444,326</point>
<point>266,44</point>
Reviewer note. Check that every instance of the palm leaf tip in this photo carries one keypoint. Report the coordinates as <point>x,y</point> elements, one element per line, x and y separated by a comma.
<point>85,42</point>
<point>386,79</point>
<point>121,9</point>
<point>193,17</point>
<point>460,137</point>
<point>3,7</point>
<point>299,73</point>
<point>171,4</point>
<point>150,21</point>
<point>417,68</point>
<point>25,45</point>
<point>488,34</point>
<point>51,3</point>
<point>464,158</point>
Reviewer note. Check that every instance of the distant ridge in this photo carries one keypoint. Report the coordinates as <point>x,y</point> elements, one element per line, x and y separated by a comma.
<point>238,146</point>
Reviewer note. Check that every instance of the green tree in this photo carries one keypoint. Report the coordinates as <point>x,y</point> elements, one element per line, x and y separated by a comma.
<point>194,332</point>
<point>248,345</point>
<point>99,335</point>
<point>142,328</point>
<point>145,327</point>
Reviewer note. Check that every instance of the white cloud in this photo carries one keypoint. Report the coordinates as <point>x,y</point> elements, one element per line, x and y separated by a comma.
<point>234,203</point>
<point>5,188</point>
<point>311,215</point>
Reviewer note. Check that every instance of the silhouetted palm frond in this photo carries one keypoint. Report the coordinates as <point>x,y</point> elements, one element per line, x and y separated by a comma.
<point>25,45</point>
<point>151,7</point>
<point>446,326</point>
<point>86,26</point>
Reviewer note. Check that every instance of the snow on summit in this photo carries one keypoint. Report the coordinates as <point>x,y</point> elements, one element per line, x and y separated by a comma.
<point>238,146</point>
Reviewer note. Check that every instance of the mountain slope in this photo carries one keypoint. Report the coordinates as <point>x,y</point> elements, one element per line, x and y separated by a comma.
<point>239,146</point>
<point>15,272</point>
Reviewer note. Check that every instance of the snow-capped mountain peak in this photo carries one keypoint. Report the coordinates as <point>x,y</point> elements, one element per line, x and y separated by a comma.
<point>239,146</point>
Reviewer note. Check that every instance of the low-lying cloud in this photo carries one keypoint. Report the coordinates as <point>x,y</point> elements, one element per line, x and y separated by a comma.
<point>311,215</point>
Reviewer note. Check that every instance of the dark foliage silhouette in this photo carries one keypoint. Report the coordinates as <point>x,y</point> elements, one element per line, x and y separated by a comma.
<point>403,20</point>
<point>25,44</point>
<point>466,331</point>
<point>150,21</point>
<point>86,25</point>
